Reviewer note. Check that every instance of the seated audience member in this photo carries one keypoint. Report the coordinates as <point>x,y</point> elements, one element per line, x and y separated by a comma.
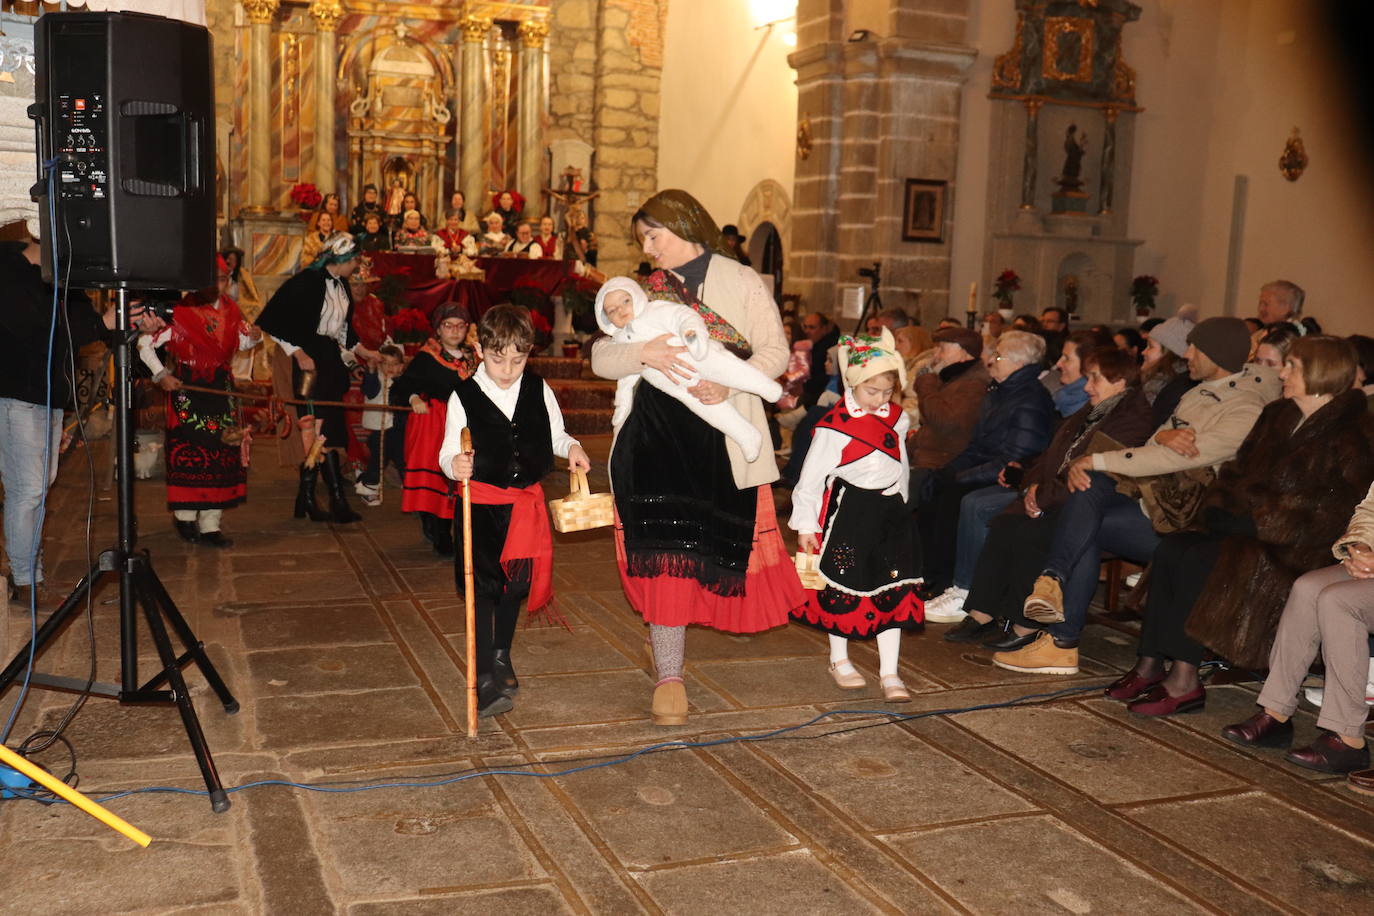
<point>1164,378</point>
<point>408,203</point>
<point>319,235</point>
<point>1364,374</point>
<point>357,222</point>
<point>1014,424</point>
<point>524,245</point>
<point>949,395</point>
<point>993,326</point>
<point>373,237</point>
<point>1274,345</point>
<point>1130,340</point>
<point>1270,516</point>
<point>412,235</point>
<point>948,322</point>
<point>823,335</point>
<point>1054,327</point>
<point>1026,323</point>
<point>892,319</point>
<point>806,426</point>
<point>467,220</point>
<point>1332,608</point>
<point>455,238</point>
<point>548,240</point>
<point>997,564</point>
<point>1281,301</point>
<point>494,241</point>
<point>1070,395</point>
<point>1209,425</point>
<point>917,349</point>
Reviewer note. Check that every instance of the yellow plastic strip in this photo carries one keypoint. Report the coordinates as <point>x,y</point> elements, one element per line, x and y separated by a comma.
<point>57,786</point>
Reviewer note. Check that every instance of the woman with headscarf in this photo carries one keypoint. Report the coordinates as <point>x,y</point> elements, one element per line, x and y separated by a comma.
<point>697,538</point>
<point>444,361</point>
<point>311,319</point>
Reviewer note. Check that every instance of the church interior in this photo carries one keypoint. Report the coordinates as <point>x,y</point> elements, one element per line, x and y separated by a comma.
<point>1126,163</point>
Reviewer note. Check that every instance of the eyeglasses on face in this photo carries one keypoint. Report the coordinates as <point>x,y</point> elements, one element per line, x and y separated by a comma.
<point>453,324</point>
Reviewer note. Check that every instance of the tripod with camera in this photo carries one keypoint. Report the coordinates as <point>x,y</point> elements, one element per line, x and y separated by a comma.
<point>873,305</point>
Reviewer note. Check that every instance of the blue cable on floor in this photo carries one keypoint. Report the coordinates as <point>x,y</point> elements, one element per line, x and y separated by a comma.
<point>892,717</point>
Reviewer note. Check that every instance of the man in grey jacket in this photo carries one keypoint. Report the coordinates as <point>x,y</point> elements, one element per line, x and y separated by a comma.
<point>1205,430</point>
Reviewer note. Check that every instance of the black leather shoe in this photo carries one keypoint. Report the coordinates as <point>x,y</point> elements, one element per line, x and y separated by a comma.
<point>188,531</point>
<point>216,539</point>
<point>1260,730</point>
<point>1010,642</point>
<point>502,673</point>
<point>490,700</point>
<point>970,630</point>
<point>1329,754</point>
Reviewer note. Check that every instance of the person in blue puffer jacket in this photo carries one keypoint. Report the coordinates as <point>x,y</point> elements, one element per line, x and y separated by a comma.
<point>1015,425</point>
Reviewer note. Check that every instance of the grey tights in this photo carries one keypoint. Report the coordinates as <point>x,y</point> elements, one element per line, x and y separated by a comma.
<point>669,644</point>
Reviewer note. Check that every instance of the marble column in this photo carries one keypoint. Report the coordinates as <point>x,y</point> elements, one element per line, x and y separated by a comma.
<point>532,106</point>
<point>1031,154</point>
<point>1104,195</point>
<point>472,143</point>
<point>260,15</point>
<point>327,14</point>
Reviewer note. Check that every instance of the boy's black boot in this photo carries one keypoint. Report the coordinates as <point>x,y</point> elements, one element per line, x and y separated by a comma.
<point>502,672</point>
<point>443,536</point>
<point>427,520</point>
<point>339,511</point>
<point>490,700</point>
<point>305,496</point>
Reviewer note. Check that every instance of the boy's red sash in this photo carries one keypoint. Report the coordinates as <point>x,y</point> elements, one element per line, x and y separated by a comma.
<point>529,536</point>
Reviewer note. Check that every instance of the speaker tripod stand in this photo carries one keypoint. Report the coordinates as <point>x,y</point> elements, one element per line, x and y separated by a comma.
<point>140,591</point>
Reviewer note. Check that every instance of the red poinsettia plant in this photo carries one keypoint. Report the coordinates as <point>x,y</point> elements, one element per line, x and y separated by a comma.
<point>1007,282</point>
<point>1144,289</point>
<point>409,326</point>
<point>306,196</point>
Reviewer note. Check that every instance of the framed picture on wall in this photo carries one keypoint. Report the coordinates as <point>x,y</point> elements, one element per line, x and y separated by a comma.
<point>923,217</point>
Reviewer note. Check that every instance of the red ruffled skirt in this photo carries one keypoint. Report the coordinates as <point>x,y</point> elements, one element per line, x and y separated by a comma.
<point>426,487</point>
<point>772,591</point>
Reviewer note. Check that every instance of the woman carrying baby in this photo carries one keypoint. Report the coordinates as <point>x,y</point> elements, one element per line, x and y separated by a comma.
<point>697,538</point>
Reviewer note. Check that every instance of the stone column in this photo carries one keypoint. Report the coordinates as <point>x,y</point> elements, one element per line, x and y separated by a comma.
<point>531,106</point>
<point>260,14</point>
<point>1104,195</point>
<point>472,143</point>
<point>1031,154</point>
<point>327,14</point>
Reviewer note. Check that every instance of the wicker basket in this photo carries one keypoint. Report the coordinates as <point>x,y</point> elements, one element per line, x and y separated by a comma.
<point>581,509</point>
<point>808,572</point>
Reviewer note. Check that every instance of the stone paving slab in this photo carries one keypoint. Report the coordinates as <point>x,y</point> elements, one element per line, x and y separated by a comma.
<point>344,647</point>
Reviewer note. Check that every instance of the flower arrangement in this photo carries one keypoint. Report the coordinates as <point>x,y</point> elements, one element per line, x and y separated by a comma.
<point>409,326</point>
<point>1004,286</point>
<point>1144,288</point>
<point>306,196</point>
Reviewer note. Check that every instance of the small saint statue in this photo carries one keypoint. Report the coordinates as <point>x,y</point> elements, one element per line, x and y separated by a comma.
<point>1074,147</point>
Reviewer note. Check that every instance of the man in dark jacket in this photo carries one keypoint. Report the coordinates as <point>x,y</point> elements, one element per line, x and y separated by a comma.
<point>823,334</point>
<point>1014,424</point>
<point>28,433</point>
<point>949,395</point>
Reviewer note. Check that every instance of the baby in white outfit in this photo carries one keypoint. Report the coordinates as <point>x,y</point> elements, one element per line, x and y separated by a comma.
<point>624,312</point>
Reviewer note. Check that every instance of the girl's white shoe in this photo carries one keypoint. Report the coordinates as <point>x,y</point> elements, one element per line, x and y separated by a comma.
<point>894,691</point>
<point>846,675</point>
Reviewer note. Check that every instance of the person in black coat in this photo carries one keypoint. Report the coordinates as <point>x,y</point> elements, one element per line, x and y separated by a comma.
<point>311,318</point>
<point>30,380</point>
<point>1015,424</point>
<point>823,334</point>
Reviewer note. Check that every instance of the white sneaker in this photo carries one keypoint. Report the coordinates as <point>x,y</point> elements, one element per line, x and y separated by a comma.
<point>1314,695</point>
<point>947,607</point>
<point>369,495</point>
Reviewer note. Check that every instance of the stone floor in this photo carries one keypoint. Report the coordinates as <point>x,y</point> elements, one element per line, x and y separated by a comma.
<point>344,647</point>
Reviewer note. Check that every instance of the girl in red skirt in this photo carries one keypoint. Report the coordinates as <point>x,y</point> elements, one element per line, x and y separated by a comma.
<point>850,503</point>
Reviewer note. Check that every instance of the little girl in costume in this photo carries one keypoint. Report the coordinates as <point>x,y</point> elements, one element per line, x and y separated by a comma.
<point>850,503</point>
<point>624,312</point>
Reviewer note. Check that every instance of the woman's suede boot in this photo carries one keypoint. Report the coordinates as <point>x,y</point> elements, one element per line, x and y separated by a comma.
<point>305,496</point>
<point>339,511</point>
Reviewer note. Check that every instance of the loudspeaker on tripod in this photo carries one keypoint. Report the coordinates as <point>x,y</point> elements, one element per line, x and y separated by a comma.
<point>125,104</point>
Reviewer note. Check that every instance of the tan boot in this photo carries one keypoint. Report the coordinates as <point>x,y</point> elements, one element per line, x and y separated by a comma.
<point>1039,657</point>
<point>670,702</point>
<point>1046,601</point>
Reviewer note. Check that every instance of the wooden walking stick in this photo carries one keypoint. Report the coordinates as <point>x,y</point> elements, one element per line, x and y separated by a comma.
<point>470,624</point>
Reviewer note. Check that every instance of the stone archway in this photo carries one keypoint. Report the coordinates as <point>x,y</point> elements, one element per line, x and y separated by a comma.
<point>768,202</point>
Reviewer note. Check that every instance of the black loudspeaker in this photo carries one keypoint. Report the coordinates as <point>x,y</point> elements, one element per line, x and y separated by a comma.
<point>125,105</point>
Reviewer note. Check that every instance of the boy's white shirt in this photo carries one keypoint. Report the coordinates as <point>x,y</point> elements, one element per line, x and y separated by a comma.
<point>505,400</point>
<point>874,471</point>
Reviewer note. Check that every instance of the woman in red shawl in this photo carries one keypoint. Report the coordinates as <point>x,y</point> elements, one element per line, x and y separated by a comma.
<point>205,475</point>
<point>696,535</point>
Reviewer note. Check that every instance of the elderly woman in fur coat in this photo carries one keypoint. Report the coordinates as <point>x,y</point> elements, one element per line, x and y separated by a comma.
<point>1270,516</point>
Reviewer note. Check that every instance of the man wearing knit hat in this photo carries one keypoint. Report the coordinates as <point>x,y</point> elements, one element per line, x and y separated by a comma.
<point>1204,431</point>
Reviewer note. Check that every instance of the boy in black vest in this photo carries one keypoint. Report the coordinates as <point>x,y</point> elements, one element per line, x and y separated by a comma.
<point>517,429</point>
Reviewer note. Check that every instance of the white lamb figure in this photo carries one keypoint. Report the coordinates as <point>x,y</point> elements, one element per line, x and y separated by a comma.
<point>624,312</point>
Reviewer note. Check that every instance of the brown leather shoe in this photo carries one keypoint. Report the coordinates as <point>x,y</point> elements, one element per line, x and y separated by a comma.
<point>1361,781</point>
<point>1260,730</point>
<point>1329,754</point>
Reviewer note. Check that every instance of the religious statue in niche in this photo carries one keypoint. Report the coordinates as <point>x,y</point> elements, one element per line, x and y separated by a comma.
<point>1074,148</point>
<point>1293,162</point>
